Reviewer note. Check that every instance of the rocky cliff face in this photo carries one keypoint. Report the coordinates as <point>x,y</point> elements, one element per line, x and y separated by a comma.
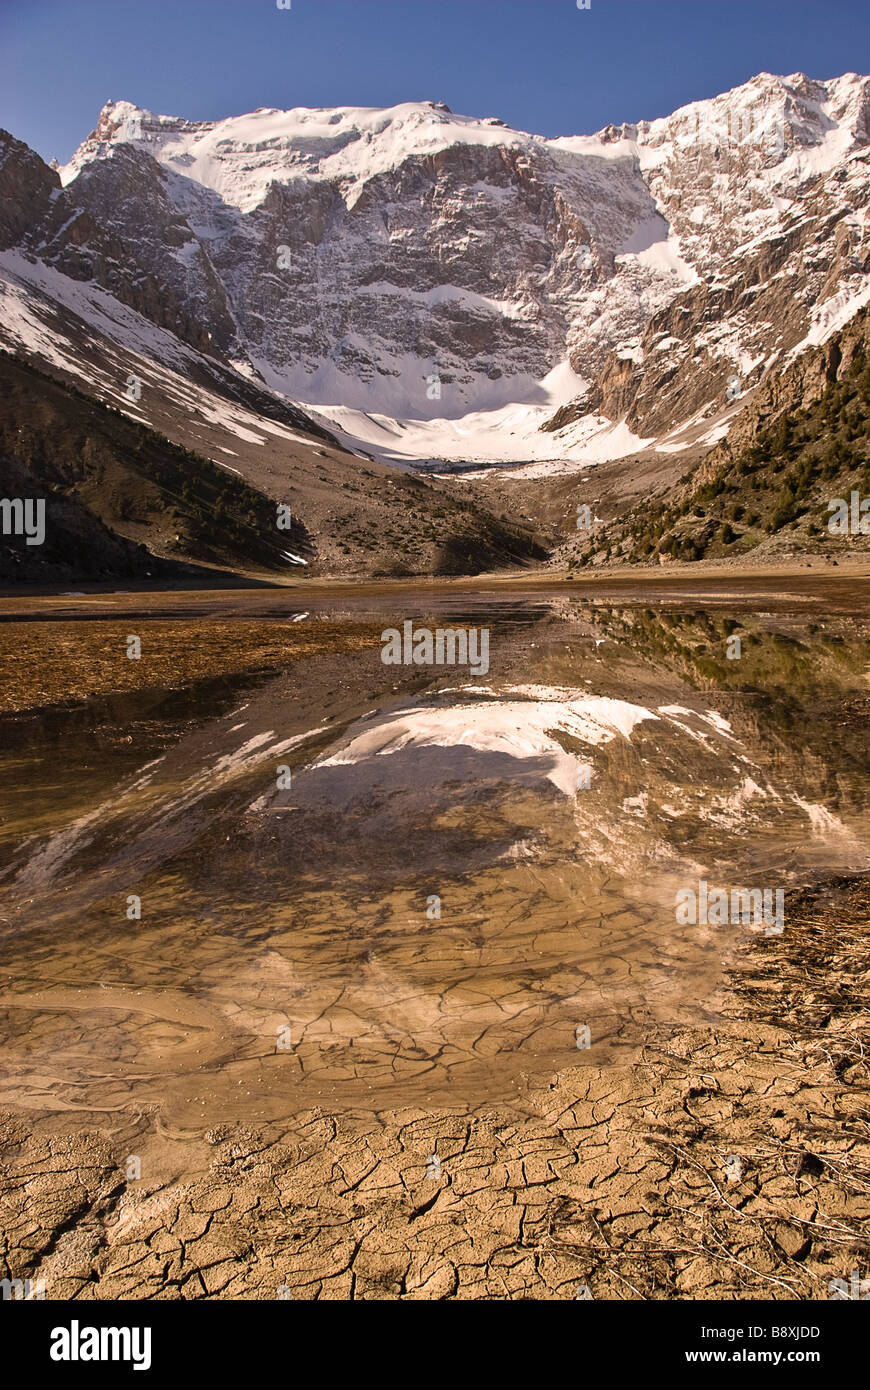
<point>766,490</point>
<point>424,265</point>
<point>408,260</point>
<point>27,186</point>
<point>776,222</point>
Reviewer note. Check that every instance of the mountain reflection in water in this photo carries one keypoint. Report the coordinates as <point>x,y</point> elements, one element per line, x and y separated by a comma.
<point>461,877</point>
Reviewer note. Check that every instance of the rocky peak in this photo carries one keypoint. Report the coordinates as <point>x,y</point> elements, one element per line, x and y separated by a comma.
<point>27,184</point>
<point>412,262</point>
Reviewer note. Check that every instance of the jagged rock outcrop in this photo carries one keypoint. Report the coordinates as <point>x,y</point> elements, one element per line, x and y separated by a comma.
<point>27,186</point>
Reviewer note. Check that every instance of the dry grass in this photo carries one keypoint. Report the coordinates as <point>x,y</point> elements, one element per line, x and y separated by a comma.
<point>60,663</point>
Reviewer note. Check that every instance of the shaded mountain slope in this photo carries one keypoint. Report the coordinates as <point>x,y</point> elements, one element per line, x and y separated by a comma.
<point>767,488</point>
<point>119,493</point>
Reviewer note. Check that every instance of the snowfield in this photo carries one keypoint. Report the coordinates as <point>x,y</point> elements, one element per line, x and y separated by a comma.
<point>434,287</point>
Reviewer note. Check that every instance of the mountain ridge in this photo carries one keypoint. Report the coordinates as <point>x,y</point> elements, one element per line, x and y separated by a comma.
<point>302,289</point>
<point>423,245</point>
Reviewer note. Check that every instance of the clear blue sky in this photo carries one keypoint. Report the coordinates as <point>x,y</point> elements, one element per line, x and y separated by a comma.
<point>541,65</point>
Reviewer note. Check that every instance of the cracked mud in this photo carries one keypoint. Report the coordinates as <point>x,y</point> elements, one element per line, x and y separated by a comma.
<point>337,1054</point>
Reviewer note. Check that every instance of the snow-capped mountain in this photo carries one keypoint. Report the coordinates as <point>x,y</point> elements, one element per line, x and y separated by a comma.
<point>442,287</point>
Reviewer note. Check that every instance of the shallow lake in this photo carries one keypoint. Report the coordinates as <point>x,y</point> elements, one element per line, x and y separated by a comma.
<point>362,885</point>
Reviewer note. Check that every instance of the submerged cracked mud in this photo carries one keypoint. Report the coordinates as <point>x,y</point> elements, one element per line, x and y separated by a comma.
<point>708,1139</point>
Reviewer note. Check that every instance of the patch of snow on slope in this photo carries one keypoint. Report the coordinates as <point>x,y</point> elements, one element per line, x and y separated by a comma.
<point>511,434</point>
<point>831,316</point>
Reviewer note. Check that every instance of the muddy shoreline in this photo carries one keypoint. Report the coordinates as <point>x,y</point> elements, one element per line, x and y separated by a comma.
<point>623,1181</point>
<point>638,577</point>
<point>433,1131</point>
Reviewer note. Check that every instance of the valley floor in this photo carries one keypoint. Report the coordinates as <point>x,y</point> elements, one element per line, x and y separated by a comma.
<point>432,1132</point>
<point>618,1184</point>
<point>738,574</point>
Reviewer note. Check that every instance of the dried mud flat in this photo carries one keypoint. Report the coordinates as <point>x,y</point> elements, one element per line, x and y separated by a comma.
<point>619,1179</point>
